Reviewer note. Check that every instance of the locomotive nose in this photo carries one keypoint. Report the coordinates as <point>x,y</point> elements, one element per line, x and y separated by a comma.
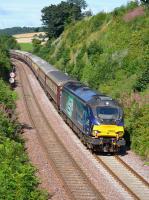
<point>112,131</point>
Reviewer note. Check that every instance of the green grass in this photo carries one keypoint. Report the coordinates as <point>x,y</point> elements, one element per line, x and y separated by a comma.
<point>146,163</point>
<point>26,47</point>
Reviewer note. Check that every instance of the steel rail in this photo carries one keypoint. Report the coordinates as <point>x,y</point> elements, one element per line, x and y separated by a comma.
<point>124,175</point>
<point>132,171</point>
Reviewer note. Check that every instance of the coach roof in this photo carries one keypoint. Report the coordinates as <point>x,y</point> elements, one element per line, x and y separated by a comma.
<point>59,77</point>
<point>42,64</point>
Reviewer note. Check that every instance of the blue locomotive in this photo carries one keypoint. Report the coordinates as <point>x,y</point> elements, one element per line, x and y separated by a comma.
<point>97,118</point>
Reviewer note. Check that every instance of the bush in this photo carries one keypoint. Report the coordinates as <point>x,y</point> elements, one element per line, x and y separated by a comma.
<point>7,97</point>
<point>97,21</point>
<point>94,49</point>
<point>143,81</point>
<point>4,65</point>
<point>36,45</point>
<point>17,175</point>
<point>138,126</point>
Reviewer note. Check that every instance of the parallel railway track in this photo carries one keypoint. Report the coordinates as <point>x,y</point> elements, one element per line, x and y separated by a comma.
<point>132,182</point>
<point>76,183</point>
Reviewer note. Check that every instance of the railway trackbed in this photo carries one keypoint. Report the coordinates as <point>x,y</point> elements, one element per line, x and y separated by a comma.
<point>75,182</point>
<point>132,182</point>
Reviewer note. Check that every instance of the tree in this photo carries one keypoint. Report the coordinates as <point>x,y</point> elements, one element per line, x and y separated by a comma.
<point>80,3</point>
<point>6,43</point>
<point>36,45</point>
<point>145,2</point>
<point>87,13</point>
<point>55,17</point>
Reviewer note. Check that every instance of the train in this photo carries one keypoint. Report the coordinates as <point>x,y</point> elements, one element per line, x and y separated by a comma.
<point>97,119</point>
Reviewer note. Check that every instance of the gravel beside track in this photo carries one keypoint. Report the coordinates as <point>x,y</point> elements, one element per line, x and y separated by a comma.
<point>137,164</point>
<point>103,182</point>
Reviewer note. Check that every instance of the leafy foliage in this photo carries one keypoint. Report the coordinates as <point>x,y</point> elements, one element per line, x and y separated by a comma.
<point>139,128</point>
<point>142,81</point>
<point>6,42</point>
<point>80,3</point>
<point>146,2</point>
<point>17,175</point>
<point>56,17</point>
<point>36,45</point>
<point>7,97</point>
<point>17,178</point>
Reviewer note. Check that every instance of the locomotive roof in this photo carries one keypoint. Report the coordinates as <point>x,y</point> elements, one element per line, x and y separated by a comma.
<point>88,95</point>
<point>59,77</point>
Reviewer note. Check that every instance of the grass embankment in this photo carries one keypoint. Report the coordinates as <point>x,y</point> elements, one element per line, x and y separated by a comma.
<point>110,53</point>
<point>17,175</point>
<point>26,47</point>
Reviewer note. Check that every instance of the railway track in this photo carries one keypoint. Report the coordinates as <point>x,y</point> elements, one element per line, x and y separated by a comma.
<point>75,182</point>
<point>132,182</point>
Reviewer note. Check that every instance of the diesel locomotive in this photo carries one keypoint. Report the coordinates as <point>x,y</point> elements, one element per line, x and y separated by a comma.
<point>97,119</point>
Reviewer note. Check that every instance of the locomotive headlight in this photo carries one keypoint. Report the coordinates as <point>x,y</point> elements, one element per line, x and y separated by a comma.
<point>120,133</point>
<point>96,133</point>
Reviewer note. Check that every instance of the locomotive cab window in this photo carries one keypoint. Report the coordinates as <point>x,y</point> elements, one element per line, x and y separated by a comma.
<point>107,112</point>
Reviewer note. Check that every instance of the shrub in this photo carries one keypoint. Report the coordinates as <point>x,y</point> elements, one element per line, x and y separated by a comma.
<point>7,97</point>
<point>17,175</point>
<point>140,131</point>
<point>94,49</point>
<point>97,21</point>
<point>142,81</point>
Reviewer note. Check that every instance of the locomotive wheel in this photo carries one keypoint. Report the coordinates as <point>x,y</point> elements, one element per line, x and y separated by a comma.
<point>90,148</point>
<point>122,150</point>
